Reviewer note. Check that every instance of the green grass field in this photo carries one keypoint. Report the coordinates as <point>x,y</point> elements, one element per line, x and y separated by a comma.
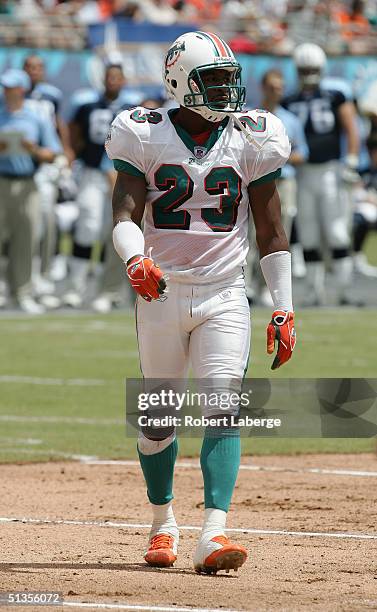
<point>80,363</point>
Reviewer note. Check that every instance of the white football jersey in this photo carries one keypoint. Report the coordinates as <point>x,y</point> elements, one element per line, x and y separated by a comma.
<point>197,206</point>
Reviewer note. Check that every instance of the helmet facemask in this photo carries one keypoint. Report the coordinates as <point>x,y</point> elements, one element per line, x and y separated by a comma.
<point>309,77</point>
<point>215,101</point>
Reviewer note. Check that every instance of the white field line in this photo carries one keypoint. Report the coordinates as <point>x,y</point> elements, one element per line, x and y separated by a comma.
<point>92,460</point>
<point>115,354</point>
<point>49,452</point>
<point>34,380</point>
<point>367,602</point>
<point>31,325</point>
<point>21,441</point>
<point>252,468</point>
<point>121,525</point>
<point>52,419</point>
<point>145,608</point>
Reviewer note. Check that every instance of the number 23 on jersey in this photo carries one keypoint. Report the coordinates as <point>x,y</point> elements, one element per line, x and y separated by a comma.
<point>178,187</point>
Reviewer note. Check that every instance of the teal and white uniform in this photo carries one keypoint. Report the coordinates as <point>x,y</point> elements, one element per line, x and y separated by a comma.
<point>197,205</point>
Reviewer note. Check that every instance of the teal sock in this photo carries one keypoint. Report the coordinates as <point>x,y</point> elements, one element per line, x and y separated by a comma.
<point>158,472</point>
<point>220,460</point>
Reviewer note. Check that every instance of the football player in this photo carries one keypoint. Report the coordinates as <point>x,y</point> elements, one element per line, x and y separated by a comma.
<point>46,99</point>
<point>327,113</point>
<point>365,212</point>
<point>193,173</point>
<point>89,126</point>
<point>272,86</point>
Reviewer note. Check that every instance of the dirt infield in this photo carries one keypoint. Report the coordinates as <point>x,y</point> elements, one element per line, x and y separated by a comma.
<point>96,563</point>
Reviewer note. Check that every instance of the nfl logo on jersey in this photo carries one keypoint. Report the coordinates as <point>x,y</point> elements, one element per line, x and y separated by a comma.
<point>200,152</point>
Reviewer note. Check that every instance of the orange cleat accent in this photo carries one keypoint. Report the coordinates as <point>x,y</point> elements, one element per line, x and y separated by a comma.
<point>162,551</point>
<point>224,556</point>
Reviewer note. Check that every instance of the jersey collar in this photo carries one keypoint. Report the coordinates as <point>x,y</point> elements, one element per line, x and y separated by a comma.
<point>189,142</point>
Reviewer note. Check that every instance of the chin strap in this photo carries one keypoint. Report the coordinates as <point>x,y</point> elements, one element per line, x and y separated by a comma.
<point>247,133</point>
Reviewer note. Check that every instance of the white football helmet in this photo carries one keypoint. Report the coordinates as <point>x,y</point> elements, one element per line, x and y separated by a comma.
<point>310,61</point>
<point>187,59</point>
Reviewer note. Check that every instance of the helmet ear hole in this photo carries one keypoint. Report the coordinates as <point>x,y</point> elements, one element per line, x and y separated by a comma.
<point>174,83</point>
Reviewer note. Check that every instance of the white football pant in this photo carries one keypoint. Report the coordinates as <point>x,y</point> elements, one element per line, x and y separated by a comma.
<point>93,200</point>
<point>46,181</point>
<point>205,326</point>
<point>323,215</point>
<point>94,223</point>
<point>323,209</point>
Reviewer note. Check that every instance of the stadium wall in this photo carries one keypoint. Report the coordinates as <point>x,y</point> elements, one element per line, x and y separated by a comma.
<point>71,71</point>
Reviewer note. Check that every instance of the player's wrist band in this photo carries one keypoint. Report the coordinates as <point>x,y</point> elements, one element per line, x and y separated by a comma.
<point>276,268</point>
<point>128,240</point>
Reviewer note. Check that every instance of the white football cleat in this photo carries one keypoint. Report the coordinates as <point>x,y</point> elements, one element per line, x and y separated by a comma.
<point>28,305</point>
<point>102,304</point>
<point>217,554</point>
<point>72,299</point>
<point>50,301</point>
<point>42,286</point>
<point>363,267</point>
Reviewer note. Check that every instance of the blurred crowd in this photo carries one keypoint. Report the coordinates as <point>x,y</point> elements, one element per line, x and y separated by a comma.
<point>56,182</point>
<point>251,26</point>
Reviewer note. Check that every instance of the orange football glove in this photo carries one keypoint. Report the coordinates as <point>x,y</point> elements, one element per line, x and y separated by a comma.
<point>281,330</point>
<point>146,277</point>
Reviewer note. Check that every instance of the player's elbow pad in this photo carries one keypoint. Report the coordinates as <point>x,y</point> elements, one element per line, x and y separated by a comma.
<point>128,240</point>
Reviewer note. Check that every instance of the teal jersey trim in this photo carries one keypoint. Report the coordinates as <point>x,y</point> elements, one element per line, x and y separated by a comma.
<point>188,140</point>
<point>267,178</point>
<point>123,166</point>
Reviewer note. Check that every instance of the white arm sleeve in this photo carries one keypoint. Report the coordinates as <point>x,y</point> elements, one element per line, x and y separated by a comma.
<point>276,268</point>
<point>128,240</point>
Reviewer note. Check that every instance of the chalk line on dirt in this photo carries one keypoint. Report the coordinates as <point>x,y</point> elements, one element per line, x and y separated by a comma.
<point>123,525</point>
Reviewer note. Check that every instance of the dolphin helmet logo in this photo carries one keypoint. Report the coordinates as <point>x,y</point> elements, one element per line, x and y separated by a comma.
<point>173,54</point>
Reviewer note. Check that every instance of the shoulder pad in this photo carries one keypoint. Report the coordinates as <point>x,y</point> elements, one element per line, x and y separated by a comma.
<point>336,84</point>
<point>141,119</point>
<point>132,97</point>
<point>84,96</point>
<point>260,123</point>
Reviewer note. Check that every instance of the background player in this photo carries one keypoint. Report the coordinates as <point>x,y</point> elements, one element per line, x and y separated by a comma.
<point>45,99</point>
<point>20,205</point>
<point>49,98</point>
<point>194,171</point>
<point>272,94</point>
<point>365,211</point>
<point>272,85</point>
<point>326,114</point>
<point>88,129</point>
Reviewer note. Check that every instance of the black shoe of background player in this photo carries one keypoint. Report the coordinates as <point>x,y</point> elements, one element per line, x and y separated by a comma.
<point>357,303</point>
